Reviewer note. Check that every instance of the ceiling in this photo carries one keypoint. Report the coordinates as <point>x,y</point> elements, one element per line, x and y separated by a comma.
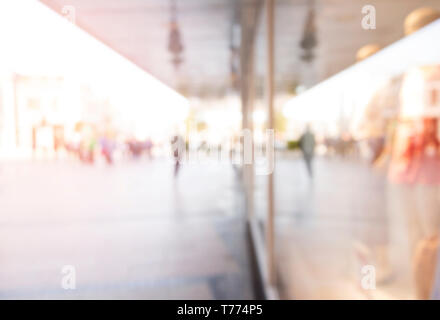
<point>139,30</point>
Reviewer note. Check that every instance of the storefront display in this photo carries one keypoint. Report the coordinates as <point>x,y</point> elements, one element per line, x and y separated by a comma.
<point>373,214</point>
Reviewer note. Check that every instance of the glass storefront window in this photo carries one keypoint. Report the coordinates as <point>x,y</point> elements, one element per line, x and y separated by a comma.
<point>365,222</point>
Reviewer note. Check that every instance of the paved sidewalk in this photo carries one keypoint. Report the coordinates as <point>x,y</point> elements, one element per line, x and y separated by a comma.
<point>129,230</point>
<point>320,223</point>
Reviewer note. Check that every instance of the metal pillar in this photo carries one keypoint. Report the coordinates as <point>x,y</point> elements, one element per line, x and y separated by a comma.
<point>249,11</point>
<point>270,236</point>
<point>263,246</point>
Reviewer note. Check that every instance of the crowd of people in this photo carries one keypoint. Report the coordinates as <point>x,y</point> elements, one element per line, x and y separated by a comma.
<point>88,149</point>
<point>87,144</point>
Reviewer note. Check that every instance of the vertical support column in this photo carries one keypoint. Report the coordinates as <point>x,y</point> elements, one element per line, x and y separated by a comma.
<point>249,12</point>
<point>270,232</point>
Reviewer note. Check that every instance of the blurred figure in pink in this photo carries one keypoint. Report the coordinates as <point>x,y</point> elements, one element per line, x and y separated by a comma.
<point>177,148</point>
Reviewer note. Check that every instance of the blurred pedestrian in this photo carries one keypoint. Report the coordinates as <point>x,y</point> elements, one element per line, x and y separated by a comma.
<point>307,146</point>
<point>107,149</point>
<point>149,148</point>
<point>177,147</point>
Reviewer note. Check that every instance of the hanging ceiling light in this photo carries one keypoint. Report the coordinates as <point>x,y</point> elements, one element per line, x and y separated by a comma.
<point>308,41</point>
<point>175,45</point>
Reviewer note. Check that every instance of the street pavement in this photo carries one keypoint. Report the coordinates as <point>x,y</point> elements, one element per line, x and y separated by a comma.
<point>329,227</point>
<point>132,231</point>
<point>129,231</point>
